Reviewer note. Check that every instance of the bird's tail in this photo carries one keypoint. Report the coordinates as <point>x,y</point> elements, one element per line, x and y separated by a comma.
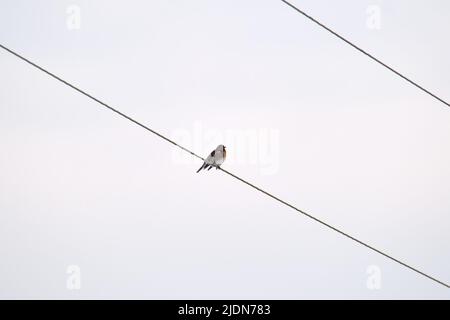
<point>203,165</point>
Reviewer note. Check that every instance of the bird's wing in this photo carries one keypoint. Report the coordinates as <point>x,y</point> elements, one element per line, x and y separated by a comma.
<point>210,158</point>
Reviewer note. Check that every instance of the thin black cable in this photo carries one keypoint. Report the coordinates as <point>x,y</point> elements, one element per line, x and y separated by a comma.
<point>336,229</point>
<point>223,170</point>
<point>366,53</point>
<point>97,100</point>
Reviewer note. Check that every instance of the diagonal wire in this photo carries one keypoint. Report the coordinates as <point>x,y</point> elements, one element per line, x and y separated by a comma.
<point>98,101</point>
<point>336,229</point>
<point>367,54</point>
<point>223,170</point>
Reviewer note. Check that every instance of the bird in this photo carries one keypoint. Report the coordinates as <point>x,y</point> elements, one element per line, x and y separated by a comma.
<point>215,158</point>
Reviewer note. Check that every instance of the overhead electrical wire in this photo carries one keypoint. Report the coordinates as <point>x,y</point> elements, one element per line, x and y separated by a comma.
<point>223,170</point>
<point>367,54</point>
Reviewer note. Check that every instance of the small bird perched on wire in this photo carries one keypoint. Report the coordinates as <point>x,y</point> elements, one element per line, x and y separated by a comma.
<point>215,158</point>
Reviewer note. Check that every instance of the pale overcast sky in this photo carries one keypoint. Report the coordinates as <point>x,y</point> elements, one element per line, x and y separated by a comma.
<point>87,194</point>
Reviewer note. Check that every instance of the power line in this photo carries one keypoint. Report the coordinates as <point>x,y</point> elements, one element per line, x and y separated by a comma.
<point>223,170</point>
<point>366,53</point>
<point>97,100</point>
<point>337,230</point>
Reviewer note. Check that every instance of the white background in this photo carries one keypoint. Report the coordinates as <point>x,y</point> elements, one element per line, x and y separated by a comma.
<point>358,147</point>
